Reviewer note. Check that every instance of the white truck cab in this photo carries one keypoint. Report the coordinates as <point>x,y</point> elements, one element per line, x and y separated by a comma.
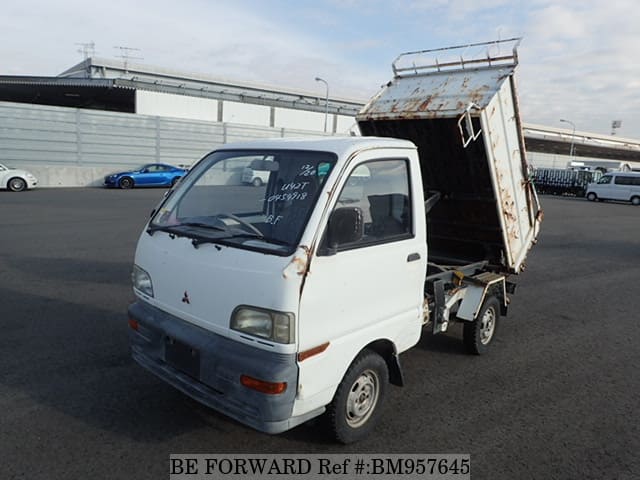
<point>277,303</point>
<point>232,309</point>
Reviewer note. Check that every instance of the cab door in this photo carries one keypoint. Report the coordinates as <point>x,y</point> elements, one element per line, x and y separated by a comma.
<point>604,187</point>
<point>621,188</point>
<point>371,288</point>
<point>153,175</point>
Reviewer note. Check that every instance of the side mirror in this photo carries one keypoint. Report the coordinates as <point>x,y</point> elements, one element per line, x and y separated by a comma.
<point>345,226</point>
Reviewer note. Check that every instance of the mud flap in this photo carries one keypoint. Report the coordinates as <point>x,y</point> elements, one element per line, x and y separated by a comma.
<point>438,317</point>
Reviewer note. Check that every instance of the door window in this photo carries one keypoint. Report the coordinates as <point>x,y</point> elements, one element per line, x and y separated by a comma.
<point>380,189</point>
<point>606,179</point>
<point>622,180</point>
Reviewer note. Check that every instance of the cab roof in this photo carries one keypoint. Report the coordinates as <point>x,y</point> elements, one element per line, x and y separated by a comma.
<point>338,145</point>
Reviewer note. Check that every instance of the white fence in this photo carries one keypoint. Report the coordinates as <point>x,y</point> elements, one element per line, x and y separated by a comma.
<point>77,147</point>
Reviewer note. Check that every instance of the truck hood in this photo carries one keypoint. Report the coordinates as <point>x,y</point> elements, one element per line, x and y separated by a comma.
<point>204,285</point>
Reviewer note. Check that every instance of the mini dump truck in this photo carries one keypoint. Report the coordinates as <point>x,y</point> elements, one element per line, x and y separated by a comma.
<point>293,299</point>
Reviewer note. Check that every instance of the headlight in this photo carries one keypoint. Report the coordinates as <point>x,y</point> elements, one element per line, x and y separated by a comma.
<point>142,281</point>
<point>276,326</point>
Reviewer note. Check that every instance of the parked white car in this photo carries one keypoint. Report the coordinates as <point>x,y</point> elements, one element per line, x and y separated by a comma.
<point>15,179</point>
<point>257,178</point>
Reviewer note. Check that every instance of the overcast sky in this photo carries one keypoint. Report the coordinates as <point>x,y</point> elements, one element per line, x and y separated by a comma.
<point>579,60</point>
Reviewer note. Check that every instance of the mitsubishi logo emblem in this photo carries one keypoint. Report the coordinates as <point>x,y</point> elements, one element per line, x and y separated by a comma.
<point>185,298</point>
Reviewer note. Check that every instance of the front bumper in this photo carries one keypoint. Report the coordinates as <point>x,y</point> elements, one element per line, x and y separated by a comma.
<point>220,363</point>
<point>109,182</point>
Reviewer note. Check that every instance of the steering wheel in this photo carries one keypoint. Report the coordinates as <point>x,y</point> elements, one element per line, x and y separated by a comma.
<point>241,222</point>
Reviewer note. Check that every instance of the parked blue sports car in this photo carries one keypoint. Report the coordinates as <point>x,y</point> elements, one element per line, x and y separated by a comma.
<point>151,175</point>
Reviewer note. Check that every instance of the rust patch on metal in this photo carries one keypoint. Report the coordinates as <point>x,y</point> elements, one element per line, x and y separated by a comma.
<point>476,96</point>
<point>425,105</point>
<point>299,264</point>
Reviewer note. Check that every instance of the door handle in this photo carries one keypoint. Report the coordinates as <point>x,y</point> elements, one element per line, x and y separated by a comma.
<point>413,257</point>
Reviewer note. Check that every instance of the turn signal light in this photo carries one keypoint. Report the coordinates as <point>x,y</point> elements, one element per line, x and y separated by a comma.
<point>133,324</point>
<point>312,351</point>
<point>270,388</point>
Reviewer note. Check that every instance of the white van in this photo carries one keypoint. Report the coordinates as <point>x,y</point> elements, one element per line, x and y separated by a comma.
<point>622,186</point>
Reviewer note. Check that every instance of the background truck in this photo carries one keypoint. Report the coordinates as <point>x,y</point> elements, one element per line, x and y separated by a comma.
<point>279,303</point>
<point>556,181</point>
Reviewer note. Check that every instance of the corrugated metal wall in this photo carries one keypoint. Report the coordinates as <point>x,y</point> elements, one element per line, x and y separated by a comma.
<point>87,144</point>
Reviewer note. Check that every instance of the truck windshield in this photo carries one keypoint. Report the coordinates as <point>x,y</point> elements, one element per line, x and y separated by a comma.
<point>220,201</point>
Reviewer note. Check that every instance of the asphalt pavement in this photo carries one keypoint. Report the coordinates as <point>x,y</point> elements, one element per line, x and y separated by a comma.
<point>557,396</point>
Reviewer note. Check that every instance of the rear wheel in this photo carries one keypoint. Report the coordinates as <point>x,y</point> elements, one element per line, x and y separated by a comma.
<point>16,184</point>
<point>478,334</point>
<point>257,182</point>
<point>635,201</point>
<point>358,400</point>
<point>592,197</point>
<point>126,182</point>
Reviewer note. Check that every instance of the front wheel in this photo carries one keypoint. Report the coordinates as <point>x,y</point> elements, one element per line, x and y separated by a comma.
<point>17,184</point>
<point>478,334</point>
<point>635,201</point>
<point>257,182</point>
<point>125,183</point>
<point>358,400</point>
<point>592,197</point>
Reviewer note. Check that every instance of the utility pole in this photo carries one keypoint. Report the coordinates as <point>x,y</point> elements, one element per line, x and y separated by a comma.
<point>615,124</point>
<point>326,101</point>
<point>573,135</point>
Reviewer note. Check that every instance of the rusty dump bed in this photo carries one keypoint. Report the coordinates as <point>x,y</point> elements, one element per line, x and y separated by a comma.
<point>461,111</point>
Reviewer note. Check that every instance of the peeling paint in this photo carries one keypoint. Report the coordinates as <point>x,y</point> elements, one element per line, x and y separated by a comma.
<point>298,265</point>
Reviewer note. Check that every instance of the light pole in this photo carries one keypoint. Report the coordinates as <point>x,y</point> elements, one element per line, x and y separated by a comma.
<point>326,102</point>
<point>573,135</point>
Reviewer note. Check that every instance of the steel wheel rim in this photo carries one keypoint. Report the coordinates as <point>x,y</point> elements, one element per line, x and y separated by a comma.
<point>17,184</point>
<point>487,326</point>
<point>362,398</point>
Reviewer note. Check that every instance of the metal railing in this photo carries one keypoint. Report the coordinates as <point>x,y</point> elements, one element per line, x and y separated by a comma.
<point>475,55</point>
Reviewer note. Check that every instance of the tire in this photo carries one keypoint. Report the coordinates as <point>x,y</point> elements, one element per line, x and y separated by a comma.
<point>257,182</point>
<point>635,201</point>
<point>175,180</point>
<point>16,184</point>
<point>477,335</point>
<point>126,183</point>
<point>592,197</point>
<point>358,401</point>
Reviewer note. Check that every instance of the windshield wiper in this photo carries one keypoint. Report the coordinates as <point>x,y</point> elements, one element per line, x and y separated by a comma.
<point>197,240</point>
<point>201,225</point>
<point>258,237</point>
<point>171,228</point>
